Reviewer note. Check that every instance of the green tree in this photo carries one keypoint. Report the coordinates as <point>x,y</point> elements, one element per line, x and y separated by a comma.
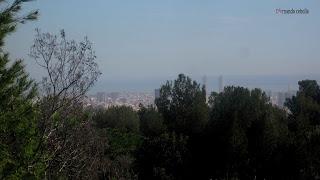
<point>119,153</point>
<point>18,120</point>
<point>151,122</point>
<point>304,125</point>
<point>120,126</point>
<point>162,157</point>
<point>10,18</point>
<point>246,131</point>
<point>18,130</point>
<point>183,105</point>
<point>123,118</point>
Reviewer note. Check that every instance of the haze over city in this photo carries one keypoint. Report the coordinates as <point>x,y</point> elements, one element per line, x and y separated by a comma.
<point>160,89</point>
<point>140,44</point>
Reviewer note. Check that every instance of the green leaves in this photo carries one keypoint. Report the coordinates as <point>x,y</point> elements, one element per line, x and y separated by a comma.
<point>162,157</point>
<point>18,120</point>
<point>151,122</point>
<point>9,18</point>
<point>30,17</point>
<point>246,130</point>
<point>304,121</point>
<point>183,105</point>
<point>121,143</point>
<point>119,117</point>
<point>18,117</point>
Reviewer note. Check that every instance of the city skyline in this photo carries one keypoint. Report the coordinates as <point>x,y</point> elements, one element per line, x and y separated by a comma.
<point>271,82</point>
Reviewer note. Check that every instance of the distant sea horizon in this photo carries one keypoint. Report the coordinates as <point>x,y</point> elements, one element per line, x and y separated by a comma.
<point>275,83</point>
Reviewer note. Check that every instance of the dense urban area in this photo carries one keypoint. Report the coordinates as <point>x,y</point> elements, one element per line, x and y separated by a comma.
<point>136,99</point>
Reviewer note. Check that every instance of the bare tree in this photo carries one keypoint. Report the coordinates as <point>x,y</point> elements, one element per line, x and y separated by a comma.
<point>70,66</point>
<point>70,71</point>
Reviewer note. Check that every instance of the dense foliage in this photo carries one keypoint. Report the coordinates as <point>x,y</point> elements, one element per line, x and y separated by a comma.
<point>304,126</point>
<point>18,113</point>
<point>247,132</point>
<point>18,130</point>
<point>236,134</point>
<point>183,105</point>
<point>121,118</point>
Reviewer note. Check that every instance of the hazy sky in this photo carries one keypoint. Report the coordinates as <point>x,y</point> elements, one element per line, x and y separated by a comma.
<point>135,39</point>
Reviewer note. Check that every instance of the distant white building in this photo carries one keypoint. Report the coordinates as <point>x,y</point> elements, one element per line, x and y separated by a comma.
<point>157,93</point>
<point>101,96</point>
<point>220,84</point>
<point>279,98</point>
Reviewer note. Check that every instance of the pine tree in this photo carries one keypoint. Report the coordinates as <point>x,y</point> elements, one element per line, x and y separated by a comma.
<point>18,135</point>
<point>304,126</point>
<point>17,119</point>
<point>183,105</point>
<point>9,18</point>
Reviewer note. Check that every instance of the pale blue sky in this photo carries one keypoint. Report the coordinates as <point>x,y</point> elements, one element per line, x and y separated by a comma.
<point>136,39</point>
